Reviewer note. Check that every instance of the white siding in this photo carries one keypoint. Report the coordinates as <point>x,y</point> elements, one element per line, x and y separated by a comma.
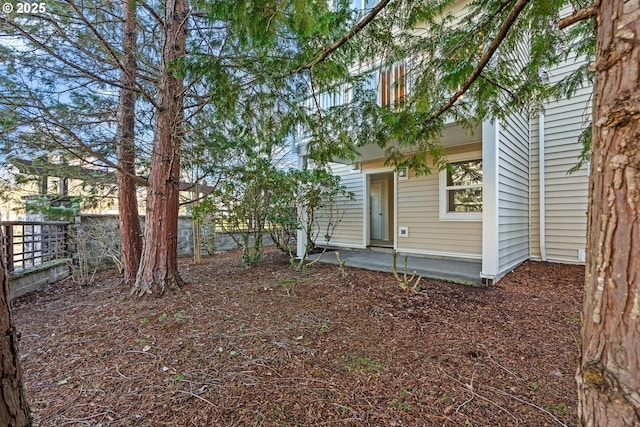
<point>566,195</point>
<point>513,192</point>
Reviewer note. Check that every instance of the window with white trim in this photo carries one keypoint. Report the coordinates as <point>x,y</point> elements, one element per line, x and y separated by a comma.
<point>461,191</point>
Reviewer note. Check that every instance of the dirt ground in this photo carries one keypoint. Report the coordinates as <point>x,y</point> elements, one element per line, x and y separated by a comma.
<point>270,346</point>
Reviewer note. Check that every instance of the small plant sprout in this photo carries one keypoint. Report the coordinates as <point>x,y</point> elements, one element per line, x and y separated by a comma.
<point>400,405</point>
<point>406,283</point>
<point>364,365</point>
<point>181,315</point>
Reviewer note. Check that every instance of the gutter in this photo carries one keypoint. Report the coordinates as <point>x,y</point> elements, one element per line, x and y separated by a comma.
<point>541,180</point>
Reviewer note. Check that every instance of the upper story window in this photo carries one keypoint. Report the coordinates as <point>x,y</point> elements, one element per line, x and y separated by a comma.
<point>461,191</point>
<point>330,99</point>
<point>362,7</point>
<point>393,86</point>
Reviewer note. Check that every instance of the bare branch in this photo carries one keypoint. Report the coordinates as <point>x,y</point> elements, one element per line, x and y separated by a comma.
<point>152,12</point>
<point>577,16</point>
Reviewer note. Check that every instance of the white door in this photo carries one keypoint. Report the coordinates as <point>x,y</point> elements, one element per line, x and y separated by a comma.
<point>375,210</point>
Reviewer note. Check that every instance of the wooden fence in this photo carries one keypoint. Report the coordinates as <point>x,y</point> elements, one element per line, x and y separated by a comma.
<point>31,243</point>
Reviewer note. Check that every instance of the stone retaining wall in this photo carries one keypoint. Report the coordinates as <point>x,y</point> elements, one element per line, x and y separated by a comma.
<point>30,279</point>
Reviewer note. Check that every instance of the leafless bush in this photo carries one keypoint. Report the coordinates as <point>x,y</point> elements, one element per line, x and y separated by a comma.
<point>96,244</point>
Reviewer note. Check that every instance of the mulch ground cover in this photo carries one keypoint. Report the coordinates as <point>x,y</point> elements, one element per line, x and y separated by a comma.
<point>270,346</point>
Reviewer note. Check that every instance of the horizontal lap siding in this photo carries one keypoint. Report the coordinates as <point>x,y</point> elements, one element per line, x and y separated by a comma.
<point>513,192</point>
<point>348,232</point>
<point>566,195</point>
<point>419,210</point>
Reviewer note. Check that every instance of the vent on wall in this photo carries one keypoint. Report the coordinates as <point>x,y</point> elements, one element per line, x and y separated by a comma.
<point>403,231</point>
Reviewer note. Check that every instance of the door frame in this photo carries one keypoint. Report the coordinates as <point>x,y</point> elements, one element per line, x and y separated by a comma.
<point>366,223</point>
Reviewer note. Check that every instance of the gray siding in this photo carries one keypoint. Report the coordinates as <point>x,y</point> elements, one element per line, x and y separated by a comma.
<point>513,192</point>
<point>348,232</point>
<point>566,195</point>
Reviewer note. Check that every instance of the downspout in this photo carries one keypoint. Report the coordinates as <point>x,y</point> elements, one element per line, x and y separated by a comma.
<point>301,235</point>
<point>541,180</point>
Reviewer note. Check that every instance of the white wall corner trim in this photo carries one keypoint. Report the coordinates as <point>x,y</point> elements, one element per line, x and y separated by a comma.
<point>542,185</point>
<point>490,176</point>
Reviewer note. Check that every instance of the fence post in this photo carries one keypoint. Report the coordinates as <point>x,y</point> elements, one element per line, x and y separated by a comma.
<point>9,246</point>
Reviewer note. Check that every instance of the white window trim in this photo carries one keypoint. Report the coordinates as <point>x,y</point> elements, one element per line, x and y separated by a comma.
<point>445,215</point>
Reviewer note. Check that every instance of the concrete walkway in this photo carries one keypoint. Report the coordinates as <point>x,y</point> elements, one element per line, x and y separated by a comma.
<point>450,270</point>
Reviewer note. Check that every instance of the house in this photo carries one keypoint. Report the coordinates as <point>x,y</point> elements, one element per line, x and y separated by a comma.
<point>508,198</point>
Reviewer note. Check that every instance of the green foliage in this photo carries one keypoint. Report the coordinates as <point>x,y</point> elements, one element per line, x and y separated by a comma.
<point>256,197</point>
<point>585,153</point>
<point>181,315</point>
<point>53,208</point>
<point>240,205</point>
<point>296,204</point>
<point>439,60</point>
<point>557,408</point>
<point>363,365</point>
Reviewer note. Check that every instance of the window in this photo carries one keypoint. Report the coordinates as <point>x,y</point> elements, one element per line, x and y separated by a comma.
<point>363,96</point>
<point>461,191</point>
<point>368,83</point>
<point>330,99</point>
<point>362,7</point>
<point>393,86</point>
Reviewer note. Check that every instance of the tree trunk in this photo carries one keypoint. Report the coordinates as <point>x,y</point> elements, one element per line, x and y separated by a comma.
<point>130,233</point>
<point>14,409</point>
<point>609,373</point>
<point>159,264</point>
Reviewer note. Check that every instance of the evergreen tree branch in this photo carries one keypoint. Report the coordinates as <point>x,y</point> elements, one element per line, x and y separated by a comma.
<point>477,71</point>
<point>112,51</point>
<point>46,48</point>
<point>513,96</point>
<point>74,65</point>
<point>328,50</point>
<point>578,15</point>
<point>60,31</point>
<point>50,119</point>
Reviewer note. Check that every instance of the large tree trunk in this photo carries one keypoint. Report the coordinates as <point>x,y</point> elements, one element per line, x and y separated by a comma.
<point>14,409</point>
<point>159,264</point>
<point>130,233</point>
<point>609,372</point>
